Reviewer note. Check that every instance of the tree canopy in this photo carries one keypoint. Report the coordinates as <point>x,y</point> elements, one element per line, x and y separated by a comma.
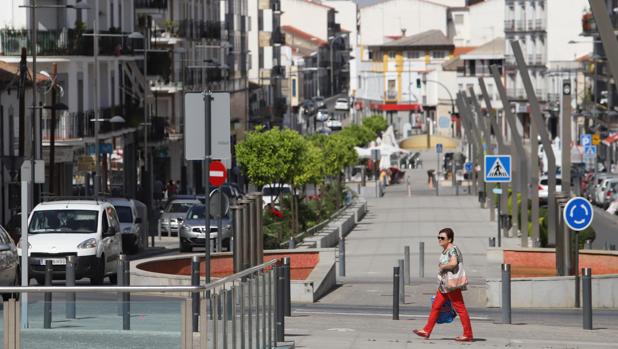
<point>375,123</point>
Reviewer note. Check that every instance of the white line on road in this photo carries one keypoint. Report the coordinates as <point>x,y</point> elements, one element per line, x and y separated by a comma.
<point>411,316</point>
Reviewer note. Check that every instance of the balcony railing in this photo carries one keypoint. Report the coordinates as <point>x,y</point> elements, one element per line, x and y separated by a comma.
<point>509,25</point>
<point>190,29</point>
<point>539,59</point>
<point>520,25</point>
<point>151,4</point>
<point>78,125</point>
<point>539,24</point>
<point>65,42</point>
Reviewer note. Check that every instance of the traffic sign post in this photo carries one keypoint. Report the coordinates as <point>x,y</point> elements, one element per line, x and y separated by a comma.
<point>497,169</point>
<point>217,176</point>
<point>439,149</point>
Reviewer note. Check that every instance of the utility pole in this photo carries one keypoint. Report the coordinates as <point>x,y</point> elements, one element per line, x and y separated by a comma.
<point>52,131</point>
<point>97,174</point>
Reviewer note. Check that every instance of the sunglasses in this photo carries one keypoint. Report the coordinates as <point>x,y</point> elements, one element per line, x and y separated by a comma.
<point>441,238</point>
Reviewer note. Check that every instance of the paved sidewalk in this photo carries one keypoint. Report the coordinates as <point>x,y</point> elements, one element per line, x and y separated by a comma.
<point>357,314</point>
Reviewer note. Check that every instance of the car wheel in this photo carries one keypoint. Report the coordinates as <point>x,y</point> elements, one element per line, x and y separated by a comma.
<point>99,272</point>
<point>40,281</point>
<point>184,247</point>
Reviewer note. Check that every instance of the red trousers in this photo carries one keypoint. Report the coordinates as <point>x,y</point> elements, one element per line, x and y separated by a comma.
<point>458,304</point>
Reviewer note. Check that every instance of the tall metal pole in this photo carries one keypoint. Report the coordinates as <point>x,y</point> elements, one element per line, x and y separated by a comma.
<point>207,153</point>
<point>547,146</point>
<point>488,150</point>
<point>332,75</point>
<point>148,173</point>
<point>566,136</point>
<point>502,148</point>
<point>521,158</point>
<point>97,174</point>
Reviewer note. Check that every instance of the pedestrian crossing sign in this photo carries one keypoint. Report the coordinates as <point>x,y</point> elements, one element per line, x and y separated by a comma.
<point>497,168</point>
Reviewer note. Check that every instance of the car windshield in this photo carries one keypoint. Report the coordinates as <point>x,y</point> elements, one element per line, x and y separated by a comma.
<point>124,214</point>
<point>275,191</point>
<point>544,181</point>
<point>64,221</point>
<point>197,212</point>
<point>179,207</point>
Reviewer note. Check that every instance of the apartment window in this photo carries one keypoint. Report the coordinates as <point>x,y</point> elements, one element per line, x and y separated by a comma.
<point>414,54</point>
<point>293,87</point>
<point>370,55</point>
<point>391,54</point>
<point>438,54</point>
<point>459,19</point>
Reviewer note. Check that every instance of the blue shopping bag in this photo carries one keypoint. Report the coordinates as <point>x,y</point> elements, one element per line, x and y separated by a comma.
<point>447,313</point>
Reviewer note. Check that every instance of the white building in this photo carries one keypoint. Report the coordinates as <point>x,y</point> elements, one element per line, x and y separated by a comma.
<point>476,24</point>
<point>545,30</point>
<point>386,20</point>
<point>403,79</point>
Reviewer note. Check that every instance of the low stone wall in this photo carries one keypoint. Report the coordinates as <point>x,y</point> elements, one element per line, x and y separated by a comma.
<point>343,224</point>
<point>307,284</point>
<point>553,292</point>
<point>532,283</point>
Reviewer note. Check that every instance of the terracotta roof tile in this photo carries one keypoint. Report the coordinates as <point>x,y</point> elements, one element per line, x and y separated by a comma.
<point>303,35</point>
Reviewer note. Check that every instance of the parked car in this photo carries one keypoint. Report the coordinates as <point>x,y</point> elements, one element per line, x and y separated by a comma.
<point>271,193</point>
<point>334,125</point>
<point>133,224</point>
<point>324,131</point>
<point>342,104</point>
<point>322,115</point>
<point>594,181</point>
<point>13,227</point>
<point>319,101</point>
<point>611,195</point>
<point>607,189</point>
<point>9,262</point>
<point>192,233</point>
<point>309,107</point>
<point>543,187</point>
<point>599,192</point>
<point>87,229</point>
<point>175,209</point>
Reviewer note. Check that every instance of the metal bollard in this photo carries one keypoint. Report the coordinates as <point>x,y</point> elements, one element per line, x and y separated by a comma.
<point>291,243</point>
<point>259,204</point>
<point>406,264</point>
<point>126,296</point>
<point>341,255</point>
<point>588,245</point>
<point>280,306</point>
<point>70,281</point>
<point>492,242</point>
<point>287,296</point>
<point>195,296</point>
<point>395,293</point>
<point>506,293</point>
<point>587,297</point>
<point>47,309</point>
<point>402,286</point>
<point>236,214</point>
<point>120,281</point>
<point>421,259</point>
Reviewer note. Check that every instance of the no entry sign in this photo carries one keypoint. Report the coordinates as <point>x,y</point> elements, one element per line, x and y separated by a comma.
<point>218,173</point>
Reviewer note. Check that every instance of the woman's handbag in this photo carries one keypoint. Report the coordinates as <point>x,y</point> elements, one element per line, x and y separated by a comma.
<point>447,314</point>
<point>453,281</point>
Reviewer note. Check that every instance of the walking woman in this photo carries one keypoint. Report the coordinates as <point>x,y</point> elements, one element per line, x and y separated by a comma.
<point>452,282</point>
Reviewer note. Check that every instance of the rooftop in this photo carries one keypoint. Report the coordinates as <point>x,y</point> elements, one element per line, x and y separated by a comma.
<point>493,49</point>
<point>430,38</point>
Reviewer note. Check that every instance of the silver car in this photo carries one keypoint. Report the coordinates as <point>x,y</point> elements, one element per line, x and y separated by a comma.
<point>8,261</point>
<point>177,208</point>
<point>192,232</point>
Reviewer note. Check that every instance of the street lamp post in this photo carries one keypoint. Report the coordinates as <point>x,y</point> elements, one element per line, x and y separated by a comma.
<point>27,197</point>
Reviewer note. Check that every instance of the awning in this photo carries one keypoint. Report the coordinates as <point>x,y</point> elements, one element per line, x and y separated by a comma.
<point>611,139</point>
<point>396,107</point>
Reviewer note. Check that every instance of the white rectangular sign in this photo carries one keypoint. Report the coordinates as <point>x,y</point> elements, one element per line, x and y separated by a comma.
<point>195,115</point>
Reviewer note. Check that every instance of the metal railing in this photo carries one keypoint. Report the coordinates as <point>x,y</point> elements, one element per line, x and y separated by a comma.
<point>65,42</point>
<point>151,4</point>
<point>245,309</point>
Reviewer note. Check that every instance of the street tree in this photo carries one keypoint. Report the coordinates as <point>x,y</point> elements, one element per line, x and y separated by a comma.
<point>376,123</point>
<point>361,135</point>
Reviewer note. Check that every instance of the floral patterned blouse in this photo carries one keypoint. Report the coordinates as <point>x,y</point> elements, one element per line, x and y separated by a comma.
<point>445,257</point>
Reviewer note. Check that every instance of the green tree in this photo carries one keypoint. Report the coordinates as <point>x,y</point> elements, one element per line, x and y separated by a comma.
<point>272,156</point>
<point>375,123</point>
<point>361,135</point>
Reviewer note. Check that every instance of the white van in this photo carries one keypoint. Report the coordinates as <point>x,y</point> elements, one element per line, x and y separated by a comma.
<point>133,224</point>
<point>88,230</point>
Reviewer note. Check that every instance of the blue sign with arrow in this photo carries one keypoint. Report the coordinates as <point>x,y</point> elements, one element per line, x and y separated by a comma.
<point>585,140</point>
<point>497,168</point>
<point>578,213</point>
<point>468,166</point>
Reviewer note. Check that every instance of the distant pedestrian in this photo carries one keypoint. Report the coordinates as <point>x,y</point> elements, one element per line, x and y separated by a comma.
<point>452,281</point>
<point>171,189</point>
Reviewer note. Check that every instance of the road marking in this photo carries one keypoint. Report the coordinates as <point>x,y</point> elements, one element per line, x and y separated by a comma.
<point>411,316</point>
